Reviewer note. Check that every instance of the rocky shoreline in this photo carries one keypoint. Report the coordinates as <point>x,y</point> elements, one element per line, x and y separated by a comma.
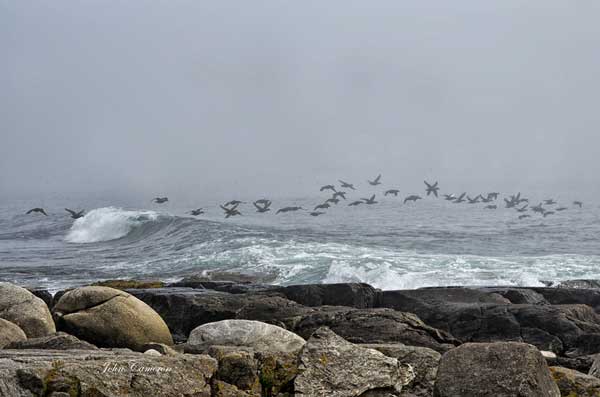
<point>232,335</point>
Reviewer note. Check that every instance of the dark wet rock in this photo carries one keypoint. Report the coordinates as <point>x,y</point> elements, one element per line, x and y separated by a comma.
<point>358,295</point>
<point>496,370</point>
<point>423,360</point>
<point>57,341</point>
<point>259,336</point>
<point>572,383</point>
<point>569,296</point>
<point>444,294</point>
<point>108,317</point>
<point>26,310</point>
<point>557,328</point>
<point>586,284</point>
<point>331,366</point>
<point>10,333</point>
<point>519,295</point>
<point>223,286</point>
<point>184,309</point>
<point>103,373</point>
<point>377,326</point>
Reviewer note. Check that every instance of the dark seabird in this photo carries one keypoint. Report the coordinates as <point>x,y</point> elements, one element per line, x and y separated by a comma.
<point>263,202</point>
<point>392,191</point>
<point>493,195</point>
<point>432,188</point>
<point>328,187</point>
<point>524,216</point>
<point>491,207</point>
<point>546,213</point>
<point>332,200</point>
<point>289,209</point>
<point>196,212</point>
<point>549,202</point>
<point>523,208</point>
<point>370,200</point>
<point>460,199</point>
<point>473,200</point>
<point>160,200</point>
<point>262,208</point>
<point>322,206</point>
<point>40,210</point>
<point>339,194</point>
<point>561,209</point>
<point>74,214</point>
<point>234,203</point>
<point>316,213</point>
<point>449,197</point>
<point>413,197</point>
<point>346,185</point>
<point>233,211</point>
<point>538,208</point>
<point>375,182</point>
<point>354,203</point>
<point>485,199</point>
<point>578,203</point>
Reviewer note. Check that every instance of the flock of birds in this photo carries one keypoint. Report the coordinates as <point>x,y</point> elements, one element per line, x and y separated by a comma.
<point>231,208</point>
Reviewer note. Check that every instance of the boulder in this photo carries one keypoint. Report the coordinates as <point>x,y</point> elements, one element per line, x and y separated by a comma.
<point>57,341</point>
<point>108,317</point>
<point>571,296</point>
<point>184,309</point>
<point>332,366</point>
<point>518,295</point>
<point>24,309</point>
<point>43,294</point>
<point>377,326</point>
<point>103,373</point>
<point>574,383</point>
<point>494,369</point>
<point>358,295</point>
<point>261,337</point>
<point>423,360</point>
<point>10,333</point>
<point>557,328</point>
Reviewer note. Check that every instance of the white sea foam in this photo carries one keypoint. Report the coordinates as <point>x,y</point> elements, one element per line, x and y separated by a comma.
<point>105,224</point>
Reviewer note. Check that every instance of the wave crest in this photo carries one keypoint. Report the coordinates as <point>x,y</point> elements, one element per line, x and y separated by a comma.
<point>105,224</point>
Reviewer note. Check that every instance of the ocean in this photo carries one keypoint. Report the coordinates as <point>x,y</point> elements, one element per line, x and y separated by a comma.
<point>389,245</point>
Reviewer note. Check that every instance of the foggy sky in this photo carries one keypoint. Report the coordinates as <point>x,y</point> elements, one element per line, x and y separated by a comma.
<point>209,98</point>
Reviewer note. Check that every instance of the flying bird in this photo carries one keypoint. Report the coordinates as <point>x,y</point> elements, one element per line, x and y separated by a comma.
<point>392,191</point>
<point>346,185</point>
<point>234,203</point>
<point>74,214</point>
<point>561,209</point>
<point>460,199</point>
<point>523,208</point>
<point>332,200</point>
<point>229,212</point>
<point>196,212</point>
<point>370,200</point>
<point>412,198</point>
<point>322,206</point>
<point>316,213</point>
<point>524,216</point>
<point>473,200</point>
<point>328,187</point>
<point>160,200</point>
<point>376,181</point>
<point>491,207</point>
<point>40,210</point>
<point>432,188</point>
<point>355,203</point>
<point>262,208</point>
<point>449,197</point>
<point>289,209</point>
<point>546,213</point>
<point>578,203</point>
<point>549,202</point>
<point>339,194</point>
